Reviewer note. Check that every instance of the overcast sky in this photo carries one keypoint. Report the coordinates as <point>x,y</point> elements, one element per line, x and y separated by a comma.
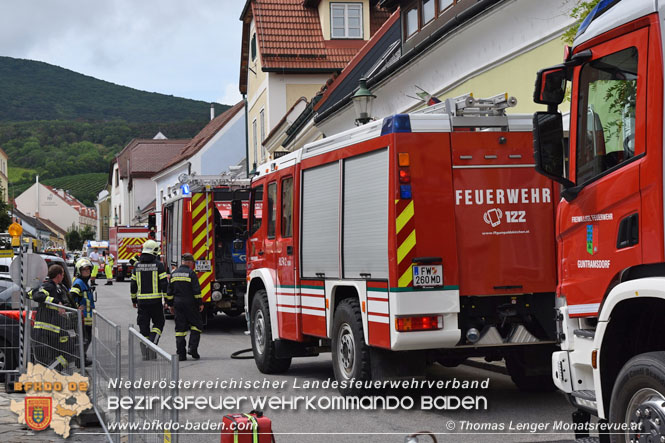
<point>184,48</point>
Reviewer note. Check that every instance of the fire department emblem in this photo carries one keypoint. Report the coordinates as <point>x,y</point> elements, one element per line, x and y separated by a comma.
<point>38,412</point>
<point>493,217</point>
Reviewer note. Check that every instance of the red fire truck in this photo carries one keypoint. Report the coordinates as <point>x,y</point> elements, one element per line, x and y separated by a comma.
<point>125,242</point>
<point>610,234</point>
<point>418,236</point>
<point>197,219</point>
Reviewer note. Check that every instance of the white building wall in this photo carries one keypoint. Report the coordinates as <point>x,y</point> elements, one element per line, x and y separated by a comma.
<point>506,32</point>
<point>161,183</point>
<point>50,207</point>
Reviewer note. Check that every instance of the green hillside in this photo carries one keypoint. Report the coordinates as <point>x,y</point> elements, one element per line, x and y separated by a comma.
<point>67,127</point>
<point>85,187</point>
<point>33,90</point>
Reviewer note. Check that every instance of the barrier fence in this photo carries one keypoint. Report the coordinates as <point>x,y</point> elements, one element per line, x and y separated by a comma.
<point>149,362</point>
<point>53,337</point>
<point>106,365</point>
<point>11,312</point>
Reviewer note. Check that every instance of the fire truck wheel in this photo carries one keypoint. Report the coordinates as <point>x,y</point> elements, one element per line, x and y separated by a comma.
<point>530,368</point>
<point>262,344</point>
<point>119,276</point>
<point>350,354</point>
<point>638,397</point>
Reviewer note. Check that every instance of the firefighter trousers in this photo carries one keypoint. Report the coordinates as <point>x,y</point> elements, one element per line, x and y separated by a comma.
<point>151,312</point>
<point>187,318</point>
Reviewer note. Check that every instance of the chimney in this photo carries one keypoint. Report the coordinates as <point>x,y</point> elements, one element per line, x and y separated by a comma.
<point>212,111</point>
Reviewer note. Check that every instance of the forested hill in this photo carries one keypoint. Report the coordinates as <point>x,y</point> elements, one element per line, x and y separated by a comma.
<point>67,127</point>
<point>33,90</point>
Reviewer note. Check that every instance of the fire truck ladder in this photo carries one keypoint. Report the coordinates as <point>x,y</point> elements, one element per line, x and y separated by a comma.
<point>199,182</point>
<point>466,110</point>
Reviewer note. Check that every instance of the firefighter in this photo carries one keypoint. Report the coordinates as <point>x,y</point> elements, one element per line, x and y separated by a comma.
<point>85,298</point>
<point>108,268</point>
<point>184,300</point>
<point>148,286</point>
<point>54,332</point>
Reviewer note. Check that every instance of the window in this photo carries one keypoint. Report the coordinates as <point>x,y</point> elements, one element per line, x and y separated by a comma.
<point>253,47</point>
<point>411,22</point>
<point>444,4</point>
<point>272,209</point>
<point>263,131</point>
<point>254,144</point>
<point>606,113</point>
<point>117,178</point>
<point>256,214</point>
<point>428,11</point>
<point>346,20</point>
<point>287,207</point>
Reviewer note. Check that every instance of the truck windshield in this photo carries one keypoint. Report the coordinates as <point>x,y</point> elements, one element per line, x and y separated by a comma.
<point>606,113</point>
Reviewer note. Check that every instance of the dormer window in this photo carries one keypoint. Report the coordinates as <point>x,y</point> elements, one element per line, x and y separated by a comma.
<point>346,20</point>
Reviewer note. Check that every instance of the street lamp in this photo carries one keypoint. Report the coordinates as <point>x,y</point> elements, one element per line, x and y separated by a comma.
<point>362,103</point>
<point>115,220</point>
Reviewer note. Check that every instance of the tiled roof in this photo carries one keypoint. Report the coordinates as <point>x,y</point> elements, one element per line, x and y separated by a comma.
<point>290,38</point>
<point>204,136</point>
<point>52,226</point>
<point>144,157</point>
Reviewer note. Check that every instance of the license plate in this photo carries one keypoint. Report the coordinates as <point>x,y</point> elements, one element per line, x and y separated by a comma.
<point>203,265</point>
<point>427,275</point>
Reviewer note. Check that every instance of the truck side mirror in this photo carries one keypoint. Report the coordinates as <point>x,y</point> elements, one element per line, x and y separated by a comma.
<point>548,150</point>
<point>550,86</point>
<point>236,213</point>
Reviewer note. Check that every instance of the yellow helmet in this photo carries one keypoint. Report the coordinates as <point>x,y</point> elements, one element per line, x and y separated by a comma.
<point>151,247</point>
<point>82,263</point>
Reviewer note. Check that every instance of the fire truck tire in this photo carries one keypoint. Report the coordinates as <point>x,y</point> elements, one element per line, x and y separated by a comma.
<point>119,276</point>
<point>350,353</point>
<point>530,369</point>
<point>640,385</point>
<point>263,345</point>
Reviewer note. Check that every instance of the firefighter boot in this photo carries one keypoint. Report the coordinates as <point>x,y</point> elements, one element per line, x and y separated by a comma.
<point>194,339</point>
<point>181,345</point>
<point>154,337</point>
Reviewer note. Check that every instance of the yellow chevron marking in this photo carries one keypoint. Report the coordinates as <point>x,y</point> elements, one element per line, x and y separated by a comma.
<point>406,246</point>
<point>404,217</point>
<point>198,224</point>
<point>406,278</point>
<point>199,238</point>
<point>197,210</point>
<point>202,253</point>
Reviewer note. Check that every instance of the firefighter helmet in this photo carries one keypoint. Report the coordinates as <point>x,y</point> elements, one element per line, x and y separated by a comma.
<point>151,247</point>
<point>82,263</point>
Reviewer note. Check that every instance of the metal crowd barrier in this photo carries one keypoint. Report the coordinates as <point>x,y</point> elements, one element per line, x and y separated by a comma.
<point>106,358</point>
<point>53,337</point>
<point>10,327</point>
<point>149,362</point>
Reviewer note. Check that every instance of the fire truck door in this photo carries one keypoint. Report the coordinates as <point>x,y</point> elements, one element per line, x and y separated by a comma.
<point>287,296</point>
<point>600,227</point>
<point>255,246</point>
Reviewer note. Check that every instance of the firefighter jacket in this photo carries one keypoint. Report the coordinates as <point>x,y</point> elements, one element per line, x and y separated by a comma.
<point>84,297</point>
<point>148,282</point>
<point>52,292</point>
<point>184,287</point>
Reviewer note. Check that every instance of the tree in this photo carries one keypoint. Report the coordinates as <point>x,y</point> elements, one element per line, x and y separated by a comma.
<point>73,239</point>
<point>5,218</point>
<point>579,12</point>
<point>87,233</point>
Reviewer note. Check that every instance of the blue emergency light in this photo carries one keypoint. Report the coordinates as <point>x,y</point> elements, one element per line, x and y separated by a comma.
<point>185,189</point>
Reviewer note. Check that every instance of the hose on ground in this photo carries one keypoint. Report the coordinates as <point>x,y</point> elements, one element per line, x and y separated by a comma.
<point>237,355</point>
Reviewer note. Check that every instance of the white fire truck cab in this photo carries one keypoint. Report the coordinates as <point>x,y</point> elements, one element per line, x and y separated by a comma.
<point>610,231</point>
<point>417,237</point>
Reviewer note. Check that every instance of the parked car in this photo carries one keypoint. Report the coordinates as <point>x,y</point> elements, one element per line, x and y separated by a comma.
<point>9,339</point>
<point>71,260</point>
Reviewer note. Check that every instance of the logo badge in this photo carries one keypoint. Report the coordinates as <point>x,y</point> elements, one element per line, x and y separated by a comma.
<point>493,217</point>
<point>38,412</point>
<point>591,239</point>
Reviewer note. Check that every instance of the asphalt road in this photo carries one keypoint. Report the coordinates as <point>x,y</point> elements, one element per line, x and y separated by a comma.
<point>507,410</point>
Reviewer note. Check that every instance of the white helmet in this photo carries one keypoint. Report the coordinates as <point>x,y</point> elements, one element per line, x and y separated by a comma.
<point>151,247</point>
<point>82,263</point>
